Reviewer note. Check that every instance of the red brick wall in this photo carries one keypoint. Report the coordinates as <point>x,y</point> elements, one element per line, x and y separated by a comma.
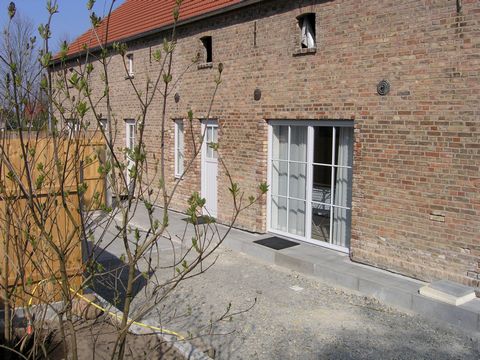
<point>416,203</point>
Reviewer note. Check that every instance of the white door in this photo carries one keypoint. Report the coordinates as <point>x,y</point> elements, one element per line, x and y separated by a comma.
<point>210,167</point>
<point>130,143</point>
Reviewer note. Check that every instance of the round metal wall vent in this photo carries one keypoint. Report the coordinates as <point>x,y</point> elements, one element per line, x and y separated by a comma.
<point>383,88</point>
<point>257,94</point>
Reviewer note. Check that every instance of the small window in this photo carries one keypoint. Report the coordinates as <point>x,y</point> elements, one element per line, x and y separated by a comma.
<point>103,124</point>
<point>130,65</point>
<point>130,133</point>
<point>306,23</point>
<point>179,148</point>
<point>207,44</point>
<point>73,126</point>
<point>131,129</point>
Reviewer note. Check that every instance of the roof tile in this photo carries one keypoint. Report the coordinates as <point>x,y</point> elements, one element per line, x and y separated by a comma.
<point>135,17</point>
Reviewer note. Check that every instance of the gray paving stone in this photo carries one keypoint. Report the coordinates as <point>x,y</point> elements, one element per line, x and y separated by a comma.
<point>260,252</point>
<point>294,263</point>
<point>449,292</point>
<point>473,305</point>
<point>391,295</point>
<point>463,318</point>
<point>345,280</point>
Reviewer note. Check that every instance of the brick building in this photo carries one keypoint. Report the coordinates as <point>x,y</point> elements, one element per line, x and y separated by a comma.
<point>362,116</point>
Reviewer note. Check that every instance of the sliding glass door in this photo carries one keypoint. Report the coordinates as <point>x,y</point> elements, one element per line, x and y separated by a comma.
<point>310,181</point>
<point>289,179</point>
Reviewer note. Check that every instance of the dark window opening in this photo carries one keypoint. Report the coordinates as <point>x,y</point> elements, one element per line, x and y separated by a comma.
<point>306,23</point>
<point>207,44</point>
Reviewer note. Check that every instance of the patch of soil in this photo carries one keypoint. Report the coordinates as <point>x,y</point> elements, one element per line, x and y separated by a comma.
<point>96,340</point>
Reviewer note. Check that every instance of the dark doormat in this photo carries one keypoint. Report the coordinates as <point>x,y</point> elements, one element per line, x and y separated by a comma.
<point>276,243</point>
<point>201,220</point>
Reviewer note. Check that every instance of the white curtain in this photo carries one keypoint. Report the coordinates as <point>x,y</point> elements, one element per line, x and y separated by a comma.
<point>297,180</point>
<point>280,167</point>
<point>308,39</point>
<point>179,144</point>
<point>280,142</point>
<point>341,217</point>
<point>279,178</point>
<point>279,213</point>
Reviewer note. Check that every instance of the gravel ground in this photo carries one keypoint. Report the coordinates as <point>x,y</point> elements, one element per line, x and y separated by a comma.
<point>293,316</point>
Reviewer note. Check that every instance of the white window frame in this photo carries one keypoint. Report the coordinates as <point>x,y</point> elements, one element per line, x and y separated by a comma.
<point>179,148</point>
<point>128,137</point>
<point>307,29</point>
<point>103,122</point>
<point>130,65</point>
<point>128,132</point>
<point>308,202</point>
<point>73,126</point>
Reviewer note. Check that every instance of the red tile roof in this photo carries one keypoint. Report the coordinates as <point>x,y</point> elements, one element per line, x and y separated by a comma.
<point>136,17</point>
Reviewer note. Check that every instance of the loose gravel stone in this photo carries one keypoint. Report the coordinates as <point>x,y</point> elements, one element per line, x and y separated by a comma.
<point>318,322</point>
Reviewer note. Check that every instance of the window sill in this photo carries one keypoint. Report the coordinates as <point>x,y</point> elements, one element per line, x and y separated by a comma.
<point>305,51</point>
<point>207,65</point>
<point>128,77</point>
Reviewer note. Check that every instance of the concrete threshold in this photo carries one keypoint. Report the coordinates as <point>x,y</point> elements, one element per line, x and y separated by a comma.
<point>337,269</point>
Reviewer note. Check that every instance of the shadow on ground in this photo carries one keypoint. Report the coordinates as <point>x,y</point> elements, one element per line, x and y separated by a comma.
<point>110,283</point>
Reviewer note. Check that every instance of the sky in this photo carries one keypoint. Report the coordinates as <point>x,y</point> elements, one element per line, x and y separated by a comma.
<point>71,21</point>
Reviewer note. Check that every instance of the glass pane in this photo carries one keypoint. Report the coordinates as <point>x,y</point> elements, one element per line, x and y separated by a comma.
<point>321,187</point>
<point>298,143</point>
<point>280,142</point>
<point>279,213</point>
<point>321,222</point>
<point>211,137</point>
<point>180,163</point>
<point>208,139</point>
<point>180,136</point>
<point>344,146</point>
<point>298,180</point>
<point>342,187</point>
<point>296,217</point>
<point>214,140</point>
<point>279,178</point>
<point>132,136</point>
<point>322,151</point>
<point>341,226</point>
<point>209,134</point>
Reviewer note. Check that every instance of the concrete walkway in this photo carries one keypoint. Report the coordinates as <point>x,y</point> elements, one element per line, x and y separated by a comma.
<point>310,304</point>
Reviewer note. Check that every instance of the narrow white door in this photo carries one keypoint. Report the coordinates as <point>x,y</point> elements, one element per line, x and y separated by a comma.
<point>210,167</point>
<point>130,143</point>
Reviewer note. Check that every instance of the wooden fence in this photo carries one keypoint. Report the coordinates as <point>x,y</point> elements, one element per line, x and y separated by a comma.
<point>44,182</point>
